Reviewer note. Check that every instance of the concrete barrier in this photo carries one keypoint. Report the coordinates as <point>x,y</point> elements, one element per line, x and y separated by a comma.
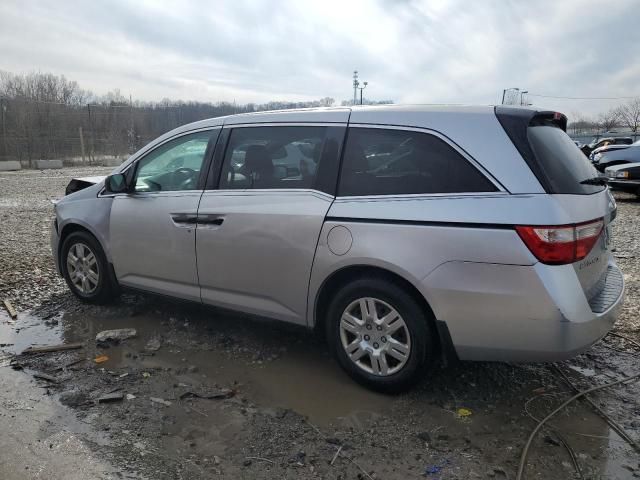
<point>10,165</point>
<point>48,164</point>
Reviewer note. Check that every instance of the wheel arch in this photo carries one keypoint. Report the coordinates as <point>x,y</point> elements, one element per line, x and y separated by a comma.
<point>71,227</point>
<point>346,274</point>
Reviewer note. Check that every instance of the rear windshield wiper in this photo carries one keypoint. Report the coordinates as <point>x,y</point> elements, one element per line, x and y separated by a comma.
<point>602,180</point>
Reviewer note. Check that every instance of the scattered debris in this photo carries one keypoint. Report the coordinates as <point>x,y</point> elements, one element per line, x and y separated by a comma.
<point>130,396</point>
<point>111,397</point>
<point>146,374</point>
<point>464,412</point>
<point>115,336</point>
<point>166,403</point>
<point>123,375</point>
<point>219,395</point>
<point>73,398</point>
<point>10,310</point>
<point>101,359</point>
<point>432,470</point>
<point>52,348</point>
<point>260,459</point>
<point>336,455</point>
<point>153,345</point>
<point>44,376</point>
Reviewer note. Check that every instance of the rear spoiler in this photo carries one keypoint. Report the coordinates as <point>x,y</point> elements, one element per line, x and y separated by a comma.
<point>515,122</point>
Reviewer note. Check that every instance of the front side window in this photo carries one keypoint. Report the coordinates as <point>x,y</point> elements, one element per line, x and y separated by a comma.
<point>273,157</point>
<point>173,166</point>
<point>396,162</point>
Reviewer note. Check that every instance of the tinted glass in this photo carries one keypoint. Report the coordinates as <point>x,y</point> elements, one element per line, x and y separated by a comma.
<point>564,165</point>
<point>388,162</point>
<point>173,166</point>
<point>273,157</point>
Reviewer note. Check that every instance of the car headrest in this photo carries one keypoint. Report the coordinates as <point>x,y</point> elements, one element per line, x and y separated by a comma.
<point>257,160</point>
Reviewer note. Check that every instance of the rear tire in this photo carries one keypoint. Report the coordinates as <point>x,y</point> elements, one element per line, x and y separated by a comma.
<point>86,269</point>
<point>379,334</point>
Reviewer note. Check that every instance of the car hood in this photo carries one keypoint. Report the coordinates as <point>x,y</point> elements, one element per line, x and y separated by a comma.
<point>630,154</point>
<point>80,183</point>
<point>609,148</point>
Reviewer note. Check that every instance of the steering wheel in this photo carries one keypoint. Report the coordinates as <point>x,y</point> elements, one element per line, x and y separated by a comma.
<point>184,176</point>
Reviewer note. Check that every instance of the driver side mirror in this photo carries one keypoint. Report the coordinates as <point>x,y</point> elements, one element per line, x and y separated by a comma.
<point>116,183</point>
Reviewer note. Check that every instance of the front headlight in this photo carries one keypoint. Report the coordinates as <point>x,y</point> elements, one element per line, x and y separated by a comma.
<point>622,174</point>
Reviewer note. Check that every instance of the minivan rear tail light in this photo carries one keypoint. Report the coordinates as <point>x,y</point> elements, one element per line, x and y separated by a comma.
<point>561,244</point>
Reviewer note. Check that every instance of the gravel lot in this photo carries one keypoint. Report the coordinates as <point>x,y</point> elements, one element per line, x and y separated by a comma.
<point>281,407</point>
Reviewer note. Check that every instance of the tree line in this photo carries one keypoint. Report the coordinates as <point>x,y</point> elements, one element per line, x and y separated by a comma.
<point>626,115</point>
<point>47,116</point>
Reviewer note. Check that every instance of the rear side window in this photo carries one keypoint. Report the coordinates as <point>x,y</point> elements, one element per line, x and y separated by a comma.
<point>564,165</point>
<point>398,162</point>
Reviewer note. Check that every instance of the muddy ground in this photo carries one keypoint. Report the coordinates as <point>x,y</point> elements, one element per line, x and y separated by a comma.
<point>279,407</point>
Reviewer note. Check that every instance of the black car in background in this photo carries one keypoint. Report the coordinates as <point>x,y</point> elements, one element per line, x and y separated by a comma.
<point>587,149</point>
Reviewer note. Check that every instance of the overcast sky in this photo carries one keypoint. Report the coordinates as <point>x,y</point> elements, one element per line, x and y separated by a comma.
<point>409,51</point>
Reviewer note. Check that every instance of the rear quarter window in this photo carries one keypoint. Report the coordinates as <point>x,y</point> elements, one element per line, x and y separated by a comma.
<point>564,165</point>
<point>399,162</point>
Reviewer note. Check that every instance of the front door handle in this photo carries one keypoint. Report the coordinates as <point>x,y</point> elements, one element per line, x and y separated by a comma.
<point>184,220</point>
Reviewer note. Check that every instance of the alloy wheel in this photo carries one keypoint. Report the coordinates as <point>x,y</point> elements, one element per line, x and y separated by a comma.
<point>83,269</point>
<point>374,336</point>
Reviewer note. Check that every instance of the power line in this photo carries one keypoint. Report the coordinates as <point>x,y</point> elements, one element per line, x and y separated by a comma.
<point>582,98</point>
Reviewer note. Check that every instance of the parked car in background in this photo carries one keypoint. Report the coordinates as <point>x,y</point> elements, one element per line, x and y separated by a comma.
<point>610,147</point>
<point>602,160</point>
<point>625,177</point>
<point>401,232</point>
<point>603,142</point>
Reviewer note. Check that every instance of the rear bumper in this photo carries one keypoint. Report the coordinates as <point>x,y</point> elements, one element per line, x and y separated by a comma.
<point>521,313</point>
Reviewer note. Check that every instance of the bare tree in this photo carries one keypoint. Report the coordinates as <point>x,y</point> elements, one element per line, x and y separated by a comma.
<point>608,120</point>
<point>629,114</point>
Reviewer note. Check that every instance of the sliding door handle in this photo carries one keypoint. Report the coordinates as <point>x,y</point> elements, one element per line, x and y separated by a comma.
<point>210,219</point>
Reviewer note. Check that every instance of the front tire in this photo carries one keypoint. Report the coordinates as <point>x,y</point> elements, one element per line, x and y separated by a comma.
<point>380,335</point>
<point>86,270</point>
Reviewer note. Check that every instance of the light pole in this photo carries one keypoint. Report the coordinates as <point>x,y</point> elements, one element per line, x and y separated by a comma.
<point>361,89</point>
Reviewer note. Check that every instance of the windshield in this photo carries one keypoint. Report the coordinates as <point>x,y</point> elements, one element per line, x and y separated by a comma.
<point>564,165</point>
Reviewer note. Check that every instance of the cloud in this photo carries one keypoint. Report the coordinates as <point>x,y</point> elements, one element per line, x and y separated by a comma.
<point>452,51</point>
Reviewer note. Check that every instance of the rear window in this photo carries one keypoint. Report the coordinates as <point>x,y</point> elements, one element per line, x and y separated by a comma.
<point>563,164</point>
<point>397,162</point>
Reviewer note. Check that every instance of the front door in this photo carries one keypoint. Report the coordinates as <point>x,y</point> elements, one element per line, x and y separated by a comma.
<point>152,228</point>
<point>257,233</point>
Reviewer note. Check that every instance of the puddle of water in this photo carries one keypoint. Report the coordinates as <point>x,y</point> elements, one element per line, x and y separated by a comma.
<point>28,331</point>
<point>303,378</point>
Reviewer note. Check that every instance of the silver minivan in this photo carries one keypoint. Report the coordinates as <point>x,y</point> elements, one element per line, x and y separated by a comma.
<point>404,233</point>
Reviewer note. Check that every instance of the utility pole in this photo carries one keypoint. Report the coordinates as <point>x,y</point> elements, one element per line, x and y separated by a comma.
<point>355,86</point>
